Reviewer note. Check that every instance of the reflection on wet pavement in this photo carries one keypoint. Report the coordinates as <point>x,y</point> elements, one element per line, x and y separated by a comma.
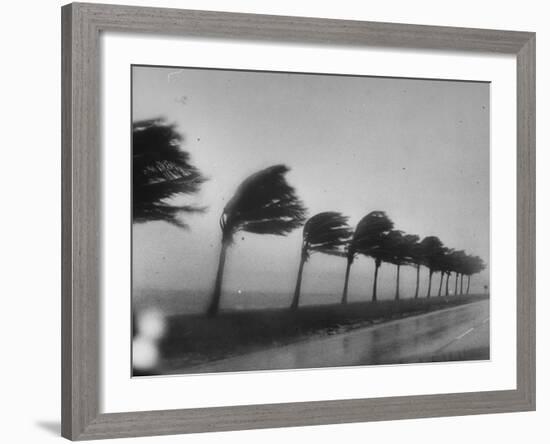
<point>460,333</point>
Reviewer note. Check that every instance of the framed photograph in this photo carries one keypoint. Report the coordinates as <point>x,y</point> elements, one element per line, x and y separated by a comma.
<point>278,221</point>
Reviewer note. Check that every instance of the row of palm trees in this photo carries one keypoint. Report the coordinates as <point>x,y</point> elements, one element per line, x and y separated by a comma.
<point>265,203</point>
<point>375,237</point>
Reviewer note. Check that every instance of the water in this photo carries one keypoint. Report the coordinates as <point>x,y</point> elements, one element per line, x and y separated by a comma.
<point>174,302</point>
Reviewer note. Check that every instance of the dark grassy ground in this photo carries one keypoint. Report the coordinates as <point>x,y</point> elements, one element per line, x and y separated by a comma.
<point>196,339</point>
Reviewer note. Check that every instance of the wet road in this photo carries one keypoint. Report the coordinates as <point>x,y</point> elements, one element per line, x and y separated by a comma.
<point>458,333</point>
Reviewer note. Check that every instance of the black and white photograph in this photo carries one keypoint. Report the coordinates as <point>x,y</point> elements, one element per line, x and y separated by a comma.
<point>285,220</point>
<point>245,222</point>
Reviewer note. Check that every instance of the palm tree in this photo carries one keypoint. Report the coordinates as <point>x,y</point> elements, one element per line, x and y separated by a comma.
<point>264,203</point>
<point>443,267</point>
<point>161,171</point>
<point>350,257</point>
<point>399,250</point>
<point>367,239</point>
<point>474,264</point>
<point>327,233</point>
<point>450,260</point>
<point>411,246</point>
<point>448,273</point>
<point>458,265</point>
<point>432,249</point>
<point>391,251</point>
<point>417,259</point>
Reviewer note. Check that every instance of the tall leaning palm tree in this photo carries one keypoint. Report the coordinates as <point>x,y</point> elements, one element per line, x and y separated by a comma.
<point>398,251</point>
<point>447,266</point>
<point>367,239</point>
<point>326,233</point>
<point>264,203</point>
<point>458,265</point>
<point>448,274</point>
<point>432,248</point>
<point>417,259</point>
<point>453,259</point>
<point>161,171</point>
<point>443,266</point>
<point>409,255</point>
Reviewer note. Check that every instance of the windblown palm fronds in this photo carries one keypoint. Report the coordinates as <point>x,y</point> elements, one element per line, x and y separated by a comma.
<point>263,204</point>
<point>368,240</point>
<point>326,233</point>
<point>370,232</point>
<point>161,171</point>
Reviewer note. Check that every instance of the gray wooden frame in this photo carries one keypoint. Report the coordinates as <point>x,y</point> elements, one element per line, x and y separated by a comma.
<point>81,26</point>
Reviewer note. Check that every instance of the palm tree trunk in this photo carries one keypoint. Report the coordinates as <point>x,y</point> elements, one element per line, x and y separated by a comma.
<point>440,284</point>
<point>468,287</point>
<point>461,282</point>
<point>429,284</point>
<point>216,296</point>
<point>397,284</point>
<point>345,292</point>
<point>296,298</point>
<point>447,285</point>
<point>417,280</point>
<point>456,283</point>
<point>377,263</point>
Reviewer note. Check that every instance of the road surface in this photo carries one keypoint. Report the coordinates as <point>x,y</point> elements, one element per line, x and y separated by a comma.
<point>454,334</point>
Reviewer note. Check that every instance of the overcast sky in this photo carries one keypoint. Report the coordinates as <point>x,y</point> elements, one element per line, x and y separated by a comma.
<point>417,149</point>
